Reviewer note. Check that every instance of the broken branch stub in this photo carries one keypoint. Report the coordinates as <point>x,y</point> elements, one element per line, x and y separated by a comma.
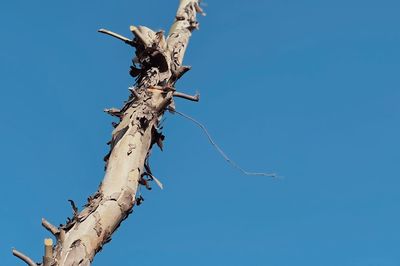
<point>158,64</point>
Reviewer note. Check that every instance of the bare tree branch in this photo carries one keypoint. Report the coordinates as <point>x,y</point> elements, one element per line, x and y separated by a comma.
<point>51,228</point>
<point>74,208</point>
<point>156,67</point>
<point>194,98</point>
<point>179,72</point>
<point>118,36</point>
<point>134,134</point>
<point>24,258</point>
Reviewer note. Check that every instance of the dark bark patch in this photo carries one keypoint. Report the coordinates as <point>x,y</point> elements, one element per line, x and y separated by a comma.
<point>157,138</point>
<point>98,228</point>
<point>143,122</point>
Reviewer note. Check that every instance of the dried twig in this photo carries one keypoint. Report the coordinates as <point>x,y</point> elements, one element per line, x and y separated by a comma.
<point>180,72</point>
<point>24,258</point>
<point>118,36</point>
<point>235,165</point>
<point>194,98</point>
<point>113,112</point>
<point>51,228</point>
<point>74,208</point>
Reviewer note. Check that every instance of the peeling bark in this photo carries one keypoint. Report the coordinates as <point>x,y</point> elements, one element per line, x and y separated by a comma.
<point>157,66</point>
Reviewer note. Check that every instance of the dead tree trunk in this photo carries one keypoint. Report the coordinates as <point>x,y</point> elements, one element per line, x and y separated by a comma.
<point>156,67</point>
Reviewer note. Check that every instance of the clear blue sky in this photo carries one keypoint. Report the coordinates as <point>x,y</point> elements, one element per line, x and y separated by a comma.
<point>308,89</point>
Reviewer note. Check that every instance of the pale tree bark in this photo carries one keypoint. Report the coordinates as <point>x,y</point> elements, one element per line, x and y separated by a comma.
<point>157,67</point>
